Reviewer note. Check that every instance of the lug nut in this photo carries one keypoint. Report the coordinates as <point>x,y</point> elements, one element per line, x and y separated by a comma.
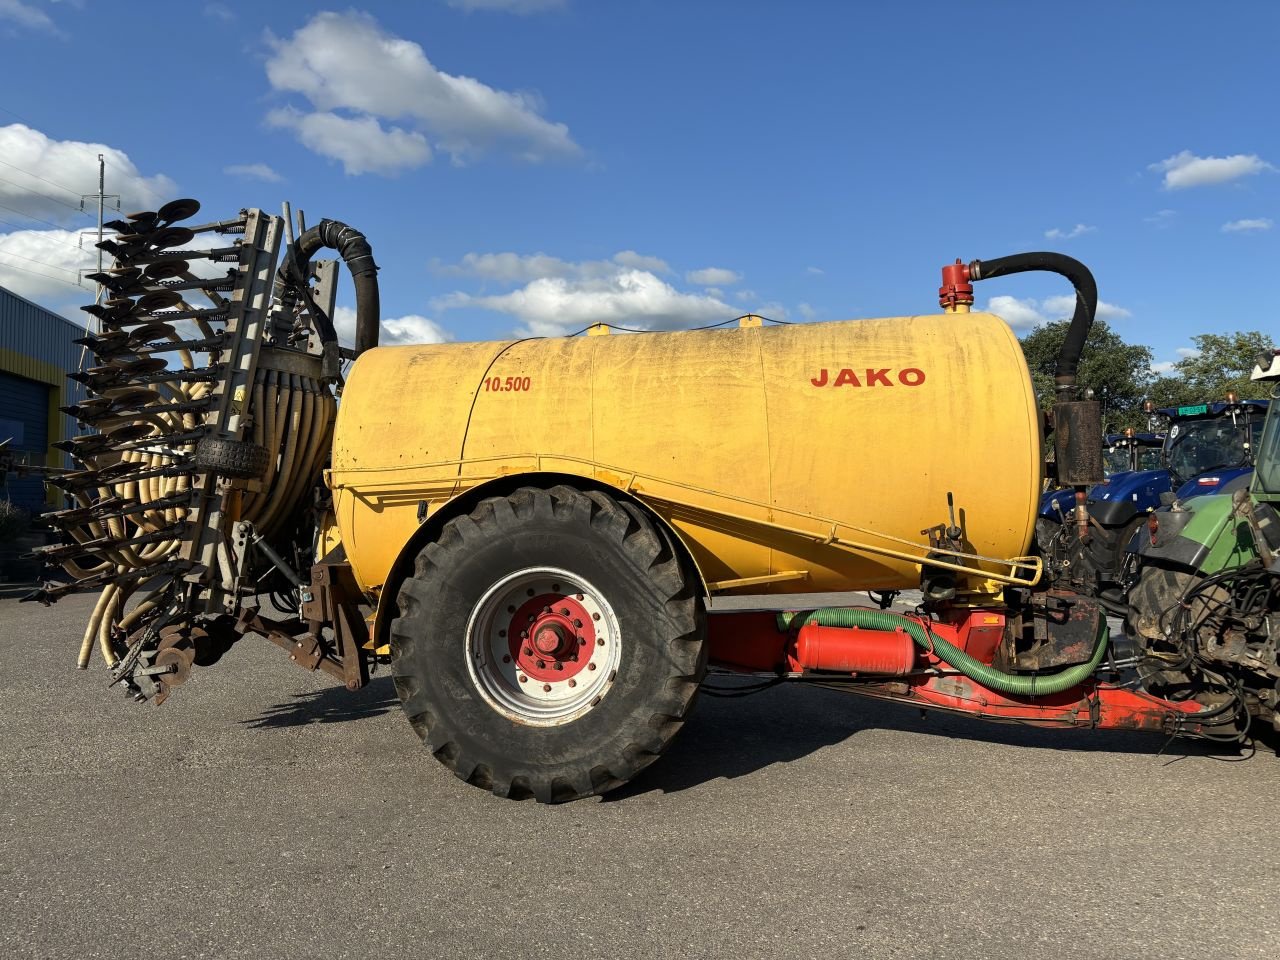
<point>542,664</point>
<point>524,634</point>
<point>523,678</point>
<point>591,666</point>
<point>558,665</point>
<point>511,609</point>
<point>527,651</point>
<point>546,609</point>
<point>572,682</point>
<point>502,633</point>
<point>595,616</point>
<point>564,611</point>
<point>577,596</point>
<point>529,592</point>
<point>546,688</point>
<point>506,658</point>
<point>577,624</point>
<point>600,642</point>
<point>582,642</point>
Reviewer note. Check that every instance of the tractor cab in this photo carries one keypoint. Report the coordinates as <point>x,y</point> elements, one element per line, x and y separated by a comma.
<point>1212,445</point>
<point>1129,452</point>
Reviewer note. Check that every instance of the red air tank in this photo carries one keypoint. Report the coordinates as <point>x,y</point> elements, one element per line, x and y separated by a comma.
<point>852,650</point>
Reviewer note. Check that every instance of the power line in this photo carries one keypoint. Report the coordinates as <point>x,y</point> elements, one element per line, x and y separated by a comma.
<point>19,226</point>
<point>32,217</point>
<point>30,123</point>
<point>21,186</point>
<point>38,177</point>
<point>37,273</point>
<point>46,263</point>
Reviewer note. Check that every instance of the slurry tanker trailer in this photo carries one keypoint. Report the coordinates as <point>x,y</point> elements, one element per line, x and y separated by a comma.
<point>527,534</point>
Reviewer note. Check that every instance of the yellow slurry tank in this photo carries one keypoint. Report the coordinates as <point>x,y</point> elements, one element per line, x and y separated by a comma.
<point>786,458</point>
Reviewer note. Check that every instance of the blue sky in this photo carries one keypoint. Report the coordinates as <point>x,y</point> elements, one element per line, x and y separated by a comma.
<point>531,165</point>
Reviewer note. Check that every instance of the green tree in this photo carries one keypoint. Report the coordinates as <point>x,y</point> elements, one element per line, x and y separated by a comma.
<point>1119,373</point>
<point>1222,363</point>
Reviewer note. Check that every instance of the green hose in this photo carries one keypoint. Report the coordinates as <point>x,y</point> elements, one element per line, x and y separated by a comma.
<point>953,656</point>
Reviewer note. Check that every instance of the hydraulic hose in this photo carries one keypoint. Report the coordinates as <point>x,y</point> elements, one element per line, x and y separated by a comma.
<point>1086,301</point>
<point>953,656</point>
<point>358,256</point>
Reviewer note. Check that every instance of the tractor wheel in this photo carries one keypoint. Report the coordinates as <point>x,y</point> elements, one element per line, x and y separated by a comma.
<point>549,644</point>
<point>1123,536</point>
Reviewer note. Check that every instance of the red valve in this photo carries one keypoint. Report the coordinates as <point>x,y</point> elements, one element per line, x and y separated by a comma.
<point>956,288</point>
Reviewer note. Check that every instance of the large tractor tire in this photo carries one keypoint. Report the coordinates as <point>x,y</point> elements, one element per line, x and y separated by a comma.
<point>549,644</point>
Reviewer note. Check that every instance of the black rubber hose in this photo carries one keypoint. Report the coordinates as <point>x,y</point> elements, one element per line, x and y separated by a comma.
<point>358,256</point>
<point>1086,300</point>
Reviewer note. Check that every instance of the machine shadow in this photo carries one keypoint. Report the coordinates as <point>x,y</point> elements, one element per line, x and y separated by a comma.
<point>331,705</point>
<point>789,723</point>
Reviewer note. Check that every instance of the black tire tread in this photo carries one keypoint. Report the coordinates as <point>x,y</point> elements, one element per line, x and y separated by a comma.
<point>649,549</point>
<point>238,459</point>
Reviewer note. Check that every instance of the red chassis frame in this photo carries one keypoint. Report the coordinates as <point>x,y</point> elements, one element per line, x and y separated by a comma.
<point>751,642</point>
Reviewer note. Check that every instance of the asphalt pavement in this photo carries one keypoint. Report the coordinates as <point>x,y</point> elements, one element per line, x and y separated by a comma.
<point>265,813</point>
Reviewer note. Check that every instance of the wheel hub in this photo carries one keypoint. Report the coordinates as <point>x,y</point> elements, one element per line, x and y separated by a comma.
<point>543,646</point>
<point>551,636</point>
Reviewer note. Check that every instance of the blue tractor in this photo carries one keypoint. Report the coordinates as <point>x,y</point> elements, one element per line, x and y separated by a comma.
<point>1209,448</point>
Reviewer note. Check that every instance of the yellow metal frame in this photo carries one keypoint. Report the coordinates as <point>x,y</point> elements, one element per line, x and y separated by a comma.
<point>634,482</point>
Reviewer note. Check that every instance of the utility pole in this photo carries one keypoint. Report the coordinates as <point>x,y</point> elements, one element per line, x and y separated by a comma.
<point>102,197</point>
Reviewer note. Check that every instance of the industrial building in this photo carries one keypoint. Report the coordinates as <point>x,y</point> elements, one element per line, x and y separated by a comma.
<point>37,350</point>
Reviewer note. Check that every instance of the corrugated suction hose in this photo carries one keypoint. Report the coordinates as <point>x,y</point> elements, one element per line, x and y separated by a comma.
<point>953,656</point>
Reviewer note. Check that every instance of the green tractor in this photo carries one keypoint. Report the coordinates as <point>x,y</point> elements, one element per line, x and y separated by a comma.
<point>1205,605</point>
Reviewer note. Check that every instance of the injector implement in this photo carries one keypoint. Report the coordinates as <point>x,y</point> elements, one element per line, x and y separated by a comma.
<point>528,533</point>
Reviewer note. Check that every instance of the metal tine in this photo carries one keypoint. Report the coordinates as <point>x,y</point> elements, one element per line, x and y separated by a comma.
<point>50,592</point>
<point>99,510</point>
<point>121,284</point>
<point>115,474</point>
<point>127,415</point>
<point>205,343</point>
<point>194,375</point>
<point>83,446</point>
<point>195,313</point>
<point>167,439</point>
<point>66,551</point>
<point>101,339</point>
<point>224,254</point>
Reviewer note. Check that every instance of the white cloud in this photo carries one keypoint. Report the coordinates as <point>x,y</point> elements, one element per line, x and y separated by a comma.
<point>74,166</point>
<point>348,62</point>
<point>1024,313</point>
<point>395,330</point>
<point>43,265</point>
<point>253,171</point>
<point>521,268</point>
<point>742,296</point>
<point>1162,218</point>
<point>509,6</point>
<point>713,277</point>
<point>360,143</point>
<point>1247,226</point>
<point>26,15</point>
<point>629,258</point>
<point>815,271</point>
<point>805,310</point>
<point>1185,169</point>
<point>1078,230</point>
<point>1169,366</point>
<point>554,306</point>
<point>219,11</point>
